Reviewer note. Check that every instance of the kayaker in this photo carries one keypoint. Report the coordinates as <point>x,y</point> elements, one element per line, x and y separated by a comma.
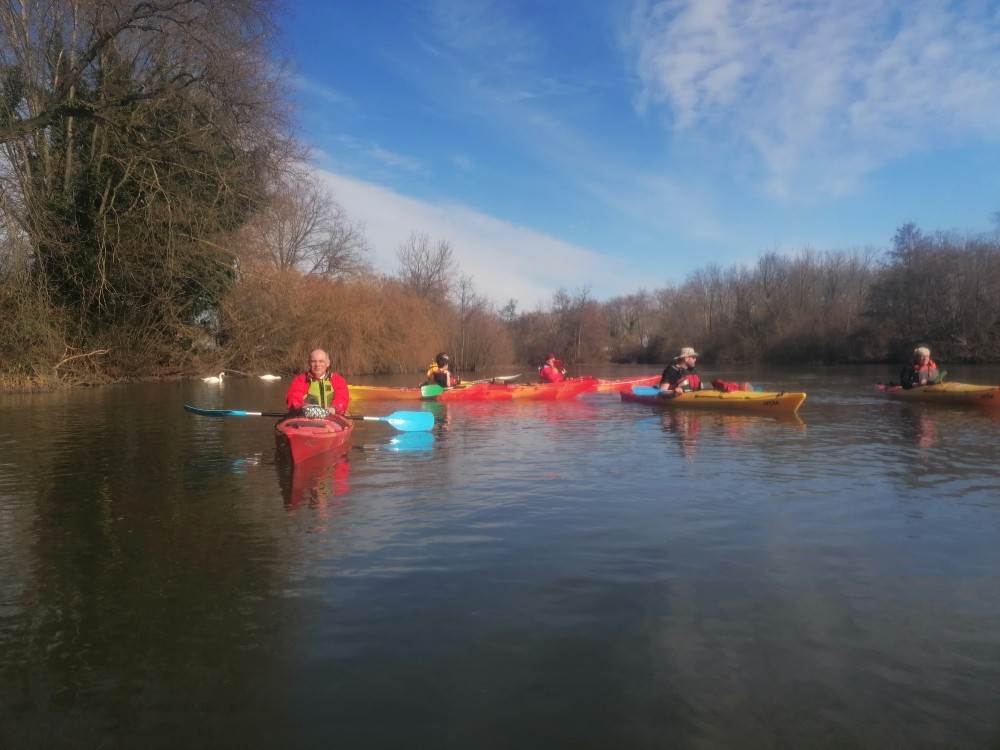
<point>439,374</point>
<point>318,387</point>
<point>921,370</point>
<point>553,370</point>
<point>680,375</point>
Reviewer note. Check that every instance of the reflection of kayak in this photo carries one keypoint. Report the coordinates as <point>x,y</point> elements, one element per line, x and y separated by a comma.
<point>775,403</point>
<point>548,391</point>
<point>944,393</point>
<point>304,437</point>
<point>315,483</point>
<point>624,384</point>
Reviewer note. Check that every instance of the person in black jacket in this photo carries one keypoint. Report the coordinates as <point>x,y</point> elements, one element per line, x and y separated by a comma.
<point>921,370</point>
<point>680,375</point>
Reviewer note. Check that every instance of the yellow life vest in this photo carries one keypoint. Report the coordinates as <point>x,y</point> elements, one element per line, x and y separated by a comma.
<point>320,392</point>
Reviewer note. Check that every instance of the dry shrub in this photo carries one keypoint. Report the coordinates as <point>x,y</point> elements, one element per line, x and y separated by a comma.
<point>32,338</point>
<point>272,321</point>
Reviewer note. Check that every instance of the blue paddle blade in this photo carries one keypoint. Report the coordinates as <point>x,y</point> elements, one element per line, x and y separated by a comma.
<point>645,390</point>
<point>230,412</point>
<point>410,421</point>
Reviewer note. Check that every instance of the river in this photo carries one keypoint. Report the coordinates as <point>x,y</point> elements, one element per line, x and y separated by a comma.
<point>586,574</point>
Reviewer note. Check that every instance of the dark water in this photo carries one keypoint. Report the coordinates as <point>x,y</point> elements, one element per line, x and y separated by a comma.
<point>588,574</point>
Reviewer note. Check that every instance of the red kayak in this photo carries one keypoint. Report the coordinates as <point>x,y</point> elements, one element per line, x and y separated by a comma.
<point>306,437</point>
<point>548,391</point>
<point>477,392</point>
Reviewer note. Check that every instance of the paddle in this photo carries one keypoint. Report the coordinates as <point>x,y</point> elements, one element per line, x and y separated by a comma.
<point>497,379</point>
<point>648,390</point>
<point>430,391</point>
<point>406,421</point>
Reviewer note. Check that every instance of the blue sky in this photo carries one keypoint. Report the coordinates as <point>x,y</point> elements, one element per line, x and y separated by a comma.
<point>618,145</point>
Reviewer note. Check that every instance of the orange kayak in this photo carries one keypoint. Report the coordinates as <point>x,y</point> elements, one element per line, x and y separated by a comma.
<point>549,391</point>
<point>383,393</point>
<point>387,393</point>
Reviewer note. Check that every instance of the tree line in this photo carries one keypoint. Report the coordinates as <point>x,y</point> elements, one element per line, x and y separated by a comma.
<point>158,217</point>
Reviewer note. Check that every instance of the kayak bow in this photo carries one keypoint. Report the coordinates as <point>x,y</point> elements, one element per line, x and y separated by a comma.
<point>305,438</point>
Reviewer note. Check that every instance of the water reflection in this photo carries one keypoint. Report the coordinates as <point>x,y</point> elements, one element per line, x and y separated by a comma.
<point>315,483</point>
<point>825,587</point>
<point>409,442</point>
<point>442,415</point>
<point>686,426</point>
<point>920,426</point>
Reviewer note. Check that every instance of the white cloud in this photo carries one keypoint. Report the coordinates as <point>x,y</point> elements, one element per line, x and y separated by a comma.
<point>823,92</point>
<point>326,93</point>
<point>505,261</point>
<point>395,160</point>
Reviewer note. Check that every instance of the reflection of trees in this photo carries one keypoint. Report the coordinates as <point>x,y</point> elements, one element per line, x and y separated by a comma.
<point>686,426</point>
<point>131,592</point>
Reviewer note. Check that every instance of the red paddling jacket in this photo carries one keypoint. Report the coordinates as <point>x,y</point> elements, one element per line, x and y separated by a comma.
<point>329,391</point>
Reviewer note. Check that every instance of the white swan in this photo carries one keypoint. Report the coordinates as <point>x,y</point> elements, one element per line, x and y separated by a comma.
<point>269,377</point>
<point>214,379</point>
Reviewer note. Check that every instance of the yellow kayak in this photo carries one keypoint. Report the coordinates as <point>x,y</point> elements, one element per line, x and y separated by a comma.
<point>383,393</point>
<point>780,403</point>
<point>944,393</point>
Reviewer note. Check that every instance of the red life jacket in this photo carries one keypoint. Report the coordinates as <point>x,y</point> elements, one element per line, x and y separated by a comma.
<point>927,372</point>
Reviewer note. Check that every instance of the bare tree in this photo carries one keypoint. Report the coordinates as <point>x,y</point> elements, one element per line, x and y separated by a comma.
<point>136,137</point>
<point>482,336</point>
<point>304,227</point>
<point>425,269</point>
<point>508,313</point>
<point>628,324</point>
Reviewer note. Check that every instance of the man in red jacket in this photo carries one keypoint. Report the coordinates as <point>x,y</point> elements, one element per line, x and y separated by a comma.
<point>318,387</point>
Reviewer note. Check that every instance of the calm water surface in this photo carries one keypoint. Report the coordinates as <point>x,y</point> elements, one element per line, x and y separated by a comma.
<point>588,574</point>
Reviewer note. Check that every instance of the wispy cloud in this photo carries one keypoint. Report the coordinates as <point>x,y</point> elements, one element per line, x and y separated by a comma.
<point>327,94</point>
<point>376,154</point>
<point>392,159</point>
<point>504,260</point>
<point>823,92</point>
